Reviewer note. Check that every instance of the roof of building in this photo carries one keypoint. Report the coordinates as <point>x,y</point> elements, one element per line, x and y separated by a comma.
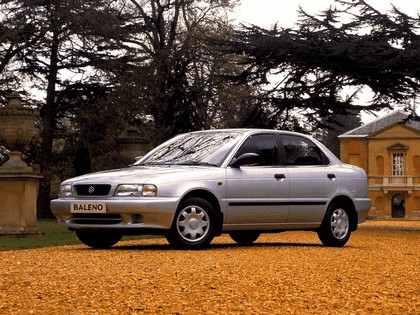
<point>394,118</point>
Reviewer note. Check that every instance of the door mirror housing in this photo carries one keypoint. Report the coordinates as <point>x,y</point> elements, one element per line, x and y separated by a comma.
<point>245,159</point>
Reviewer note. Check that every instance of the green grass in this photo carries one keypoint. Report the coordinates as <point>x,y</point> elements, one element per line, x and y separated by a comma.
<point>54,235</point>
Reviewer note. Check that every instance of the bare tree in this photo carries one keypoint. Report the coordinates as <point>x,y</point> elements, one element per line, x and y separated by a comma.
<point>178,81</point>
<point>102,63</point>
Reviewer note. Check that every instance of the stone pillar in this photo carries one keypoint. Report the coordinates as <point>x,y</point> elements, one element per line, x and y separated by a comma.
<point>131,145</point>
<point>18,182</point>
<point>18,203</point>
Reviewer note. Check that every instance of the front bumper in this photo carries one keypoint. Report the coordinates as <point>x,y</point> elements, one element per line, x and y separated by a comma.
<point>131,213</point>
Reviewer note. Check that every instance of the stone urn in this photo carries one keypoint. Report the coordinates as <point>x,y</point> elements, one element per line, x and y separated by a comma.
<point>18,183</point>
<point>16,131</point>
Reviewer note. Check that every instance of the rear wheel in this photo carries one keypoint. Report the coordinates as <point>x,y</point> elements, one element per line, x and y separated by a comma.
<point>194,224</point>
<point>244,237</point>
<point>335,229</point>
<point>99,239</point>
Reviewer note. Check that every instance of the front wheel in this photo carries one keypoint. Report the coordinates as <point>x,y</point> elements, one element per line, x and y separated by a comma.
<point>99,239</point>
<point>335,228</point>
<point>194,224</point>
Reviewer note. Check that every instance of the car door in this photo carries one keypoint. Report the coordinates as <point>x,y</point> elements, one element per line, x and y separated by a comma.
<point>257,193</point>
<point>312,180</point>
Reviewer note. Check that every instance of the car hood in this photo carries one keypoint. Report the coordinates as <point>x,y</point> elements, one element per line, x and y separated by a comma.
<point>136,174</point>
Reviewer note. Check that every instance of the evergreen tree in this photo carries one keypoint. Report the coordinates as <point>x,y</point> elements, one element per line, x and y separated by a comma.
<point>320,68</point>
<point>58,47</point>
<point>333,126</point>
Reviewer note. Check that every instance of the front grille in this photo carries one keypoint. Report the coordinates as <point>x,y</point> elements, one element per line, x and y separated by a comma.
<point>92,190</point>
<point>104,219</point>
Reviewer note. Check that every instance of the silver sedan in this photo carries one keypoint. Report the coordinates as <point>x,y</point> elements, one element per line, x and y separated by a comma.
<point>199,185</point>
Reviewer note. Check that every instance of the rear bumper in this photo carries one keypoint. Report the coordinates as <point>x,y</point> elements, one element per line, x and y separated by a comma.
<point>131,214</point>
<point>362,206</point>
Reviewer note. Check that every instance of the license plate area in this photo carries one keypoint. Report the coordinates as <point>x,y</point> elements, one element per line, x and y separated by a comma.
<point>88,207</point>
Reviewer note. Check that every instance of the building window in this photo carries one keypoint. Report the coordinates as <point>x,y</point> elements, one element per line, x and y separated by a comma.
<point>398,164</point>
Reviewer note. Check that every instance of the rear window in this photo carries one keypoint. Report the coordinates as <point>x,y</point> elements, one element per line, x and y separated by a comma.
<point>301,151</point>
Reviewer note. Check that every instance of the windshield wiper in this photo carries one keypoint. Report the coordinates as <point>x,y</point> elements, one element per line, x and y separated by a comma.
<point>198,164</point>
<point>153,164</point>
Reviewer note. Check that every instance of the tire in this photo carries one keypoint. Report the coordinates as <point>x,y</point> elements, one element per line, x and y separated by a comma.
<point>335,229</point>
<point>244,237</point>
<point>194,224</point>
<point>99,239</point>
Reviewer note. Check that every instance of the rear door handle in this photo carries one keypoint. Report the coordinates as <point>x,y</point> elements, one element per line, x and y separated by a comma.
<point>331,176</point>
<point>279,176</point>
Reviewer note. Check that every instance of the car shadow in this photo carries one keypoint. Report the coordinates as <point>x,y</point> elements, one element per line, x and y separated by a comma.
<point>211,247</point>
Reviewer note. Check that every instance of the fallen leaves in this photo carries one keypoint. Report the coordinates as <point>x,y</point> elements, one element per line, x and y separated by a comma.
<point>286,273</point>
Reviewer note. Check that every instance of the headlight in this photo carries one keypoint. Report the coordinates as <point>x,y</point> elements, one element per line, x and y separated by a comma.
<point>135,190</point>
<point>65,191</point>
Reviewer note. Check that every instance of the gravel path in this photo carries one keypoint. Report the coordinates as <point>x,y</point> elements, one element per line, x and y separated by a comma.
<point>377,272</point>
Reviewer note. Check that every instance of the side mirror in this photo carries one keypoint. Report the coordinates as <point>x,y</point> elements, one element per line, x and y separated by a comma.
<point>246,158</point>
<point>136,159</point>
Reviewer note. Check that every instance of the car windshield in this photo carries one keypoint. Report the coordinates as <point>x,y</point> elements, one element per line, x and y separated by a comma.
<point>201,148</point>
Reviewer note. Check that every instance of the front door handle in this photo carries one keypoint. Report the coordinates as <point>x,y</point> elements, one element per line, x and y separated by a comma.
<point>279,176</point>
<point>331,176</point>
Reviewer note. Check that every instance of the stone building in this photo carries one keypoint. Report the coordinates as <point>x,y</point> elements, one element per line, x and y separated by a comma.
<point>388,149</point>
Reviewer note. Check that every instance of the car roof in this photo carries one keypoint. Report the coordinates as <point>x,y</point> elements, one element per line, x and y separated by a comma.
<point>249,131</point>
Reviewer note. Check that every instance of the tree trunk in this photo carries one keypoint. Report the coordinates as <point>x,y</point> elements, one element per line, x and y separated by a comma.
<point>47,133</point>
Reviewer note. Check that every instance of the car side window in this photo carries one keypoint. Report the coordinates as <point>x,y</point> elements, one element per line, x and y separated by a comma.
<point>264,145</point>
<point>302,151</point>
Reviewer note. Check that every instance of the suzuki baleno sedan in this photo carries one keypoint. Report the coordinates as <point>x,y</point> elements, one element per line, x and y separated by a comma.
<point>198,185</point>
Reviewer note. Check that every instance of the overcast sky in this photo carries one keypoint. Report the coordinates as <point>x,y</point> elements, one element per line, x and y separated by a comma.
<point>266,13</point>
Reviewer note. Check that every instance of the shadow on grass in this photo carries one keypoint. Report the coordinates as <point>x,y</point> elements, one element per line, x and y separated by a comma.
<point>53,235</point>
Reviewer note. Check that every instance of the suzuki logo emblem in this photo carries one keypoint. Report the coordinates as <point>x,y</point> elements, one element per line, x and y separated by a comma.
<point>91,189</point>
